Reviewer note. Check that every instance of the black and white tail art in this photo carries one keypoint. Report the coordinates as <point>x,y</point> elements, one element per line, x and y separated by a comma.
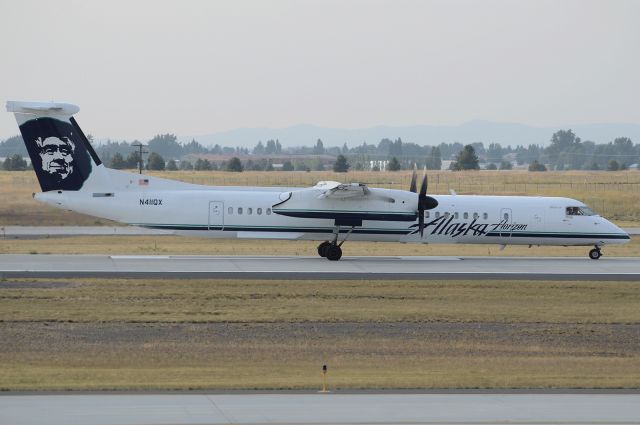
<point>57,153</point>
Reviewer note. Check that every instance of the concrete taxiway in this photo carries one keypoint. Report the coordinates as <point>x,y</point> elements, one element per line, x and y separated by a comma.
<point>127,409</point>
<point>264,267</point>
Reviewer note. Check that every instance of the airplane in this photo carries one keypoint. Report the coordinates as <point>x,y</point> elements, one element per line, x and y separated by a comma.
<point>73,177</point>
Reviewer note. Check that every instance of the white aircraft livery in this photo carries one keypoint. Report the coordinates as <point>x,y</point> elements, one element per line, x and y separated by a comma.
<point>72,177</point>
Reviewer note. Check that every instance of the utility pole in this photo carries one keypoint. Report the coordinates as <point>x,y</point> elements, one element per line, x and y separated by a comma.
<point>140,146</point>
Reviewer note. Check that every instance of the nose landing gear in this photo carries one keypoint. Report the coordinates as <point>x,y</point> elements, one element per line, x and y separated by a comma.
<point>595,253</point>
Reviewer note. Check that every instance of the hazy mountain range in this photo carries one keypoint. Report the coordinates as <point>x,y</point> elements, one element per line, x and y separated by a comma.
<point>473,131</point>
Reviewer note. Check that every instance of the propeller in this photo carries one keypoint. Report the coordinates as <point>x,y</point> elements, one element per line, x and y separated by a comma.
<point>412,188</point>
<point>424,202</point>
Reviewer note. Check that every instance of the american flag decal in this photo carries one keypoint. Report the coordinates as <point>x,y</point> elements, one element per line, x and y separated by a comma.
<point>143,182</point>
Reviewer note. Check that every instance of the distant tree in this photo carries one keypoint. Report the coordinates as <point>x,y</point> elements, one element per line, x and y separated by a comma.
<point>396,148</point>
<point>155,162</point>
<point>492,166</point>
<point>165,145</point>
<point>132,160</point>
<point>494,152</point>
<point>202,165</point>
<point>506,165</point>
<point>359,166</point>
<point>15,163</point>
<point>171,165</point>
<point>287,166</point>
<point>234,165</point>
<point>117,161</point>
<point>466,160</point>
<point>212,165</point>
<point>318,149</point>
<point>434,160</point>
<point>341,165</point>
<point>593,166</point>
<point>536,166</point>
<point>565,148</point>
<point>613,165</point>
<point>259,149</point>
<point>193,147</point>
<point>345,148</point>
<point>186,165</point>
<point>375,168</point>
<point>273,147</point>
<point>13,145</point>
<point>394,164</point>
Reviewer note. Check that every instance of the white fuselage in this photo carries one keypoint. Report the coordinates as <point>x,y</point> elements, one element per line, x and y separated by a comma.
<point>248,212</point>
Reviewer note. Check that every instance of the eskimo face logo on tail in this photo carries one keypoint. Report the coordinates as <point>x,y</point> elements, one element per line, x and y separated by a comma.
<point>58,156</point>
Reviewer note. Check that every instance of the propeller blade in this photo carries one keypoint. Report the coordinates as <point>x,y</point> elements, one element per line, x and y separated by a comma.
<point>423,187</point>
<point>414,177</point>
<point>424,202</point>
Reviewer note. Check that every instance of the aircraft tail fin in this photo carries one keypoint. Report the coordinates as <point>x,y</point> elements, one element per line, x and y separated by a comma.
<point>60,153</point>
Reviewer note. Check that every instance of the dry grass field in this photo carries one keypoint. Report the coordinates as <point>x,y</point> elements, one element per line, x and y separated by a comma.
<point>612,194</point>
<point>163,334</point>
<point>179,245</point>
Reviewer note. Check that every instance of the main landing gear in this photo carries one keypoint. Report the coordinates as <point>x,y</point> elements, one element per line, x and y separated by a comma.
<point>595,253</point>
<point>331,250</point>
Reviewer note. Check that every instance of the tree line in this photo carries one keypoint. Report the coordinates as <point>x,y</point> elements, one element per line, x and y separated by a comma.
<point>566,151</point>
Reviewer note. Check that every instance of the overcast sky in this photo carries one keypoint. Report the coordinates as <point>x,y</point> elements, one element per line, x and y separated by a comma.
<point>138,68</point>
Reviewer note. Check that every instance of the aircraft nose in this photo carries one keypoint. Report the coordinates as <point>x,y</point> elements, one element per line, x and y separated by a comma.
<point>620,233</point>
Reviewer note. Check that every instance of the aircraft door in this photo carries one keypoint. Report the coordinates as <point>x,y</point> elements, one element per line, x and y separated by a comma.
<point>506,218</point>
<point>216,215</point>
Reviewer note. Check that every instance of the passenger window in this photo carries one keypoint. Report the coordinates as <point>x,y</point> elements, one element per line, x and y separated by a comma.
<point>475,216</point>
<point>249,211</point>
<point>446,215</point>
<point>259,211</point>
<point>437,214</point>
<point>268,211</point>
<point>485,216</point>
<point>506,216</point>
<point>426,214</point>
<point>239,210</point>
<point>455,215</point>
<point>230,210</point>
<point>466,215</point>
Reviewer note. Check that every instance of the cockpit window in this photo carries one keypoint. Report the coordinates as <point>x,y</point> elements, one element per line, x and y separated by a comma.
<point>579,211</point>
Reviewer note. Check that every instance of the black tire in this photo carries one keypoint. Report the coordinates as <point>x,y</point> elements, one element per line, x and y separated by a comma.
<point>595,254</point>
<point>334,253</point>
<point>322,248</point>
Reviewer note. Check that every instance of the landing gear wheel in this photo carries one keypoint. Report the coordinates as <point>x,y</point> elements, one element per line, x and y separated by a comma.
<point>334,252</point>
<point>322,248</point>
<point>595,254</point>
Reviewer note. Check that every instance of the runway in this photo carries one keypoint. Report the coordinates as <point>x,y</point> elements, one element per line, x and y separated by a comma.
<point>127,409</point>
<point>265,267</point>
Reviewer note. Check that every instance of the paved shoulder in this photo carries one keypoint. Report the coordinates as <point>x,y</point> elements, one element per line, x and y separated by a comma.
<point>321,409</point>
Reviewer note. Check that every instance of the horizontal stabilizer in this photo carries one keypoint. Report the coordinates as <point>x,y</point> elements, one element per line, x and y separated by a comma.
<point>43,108</point>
